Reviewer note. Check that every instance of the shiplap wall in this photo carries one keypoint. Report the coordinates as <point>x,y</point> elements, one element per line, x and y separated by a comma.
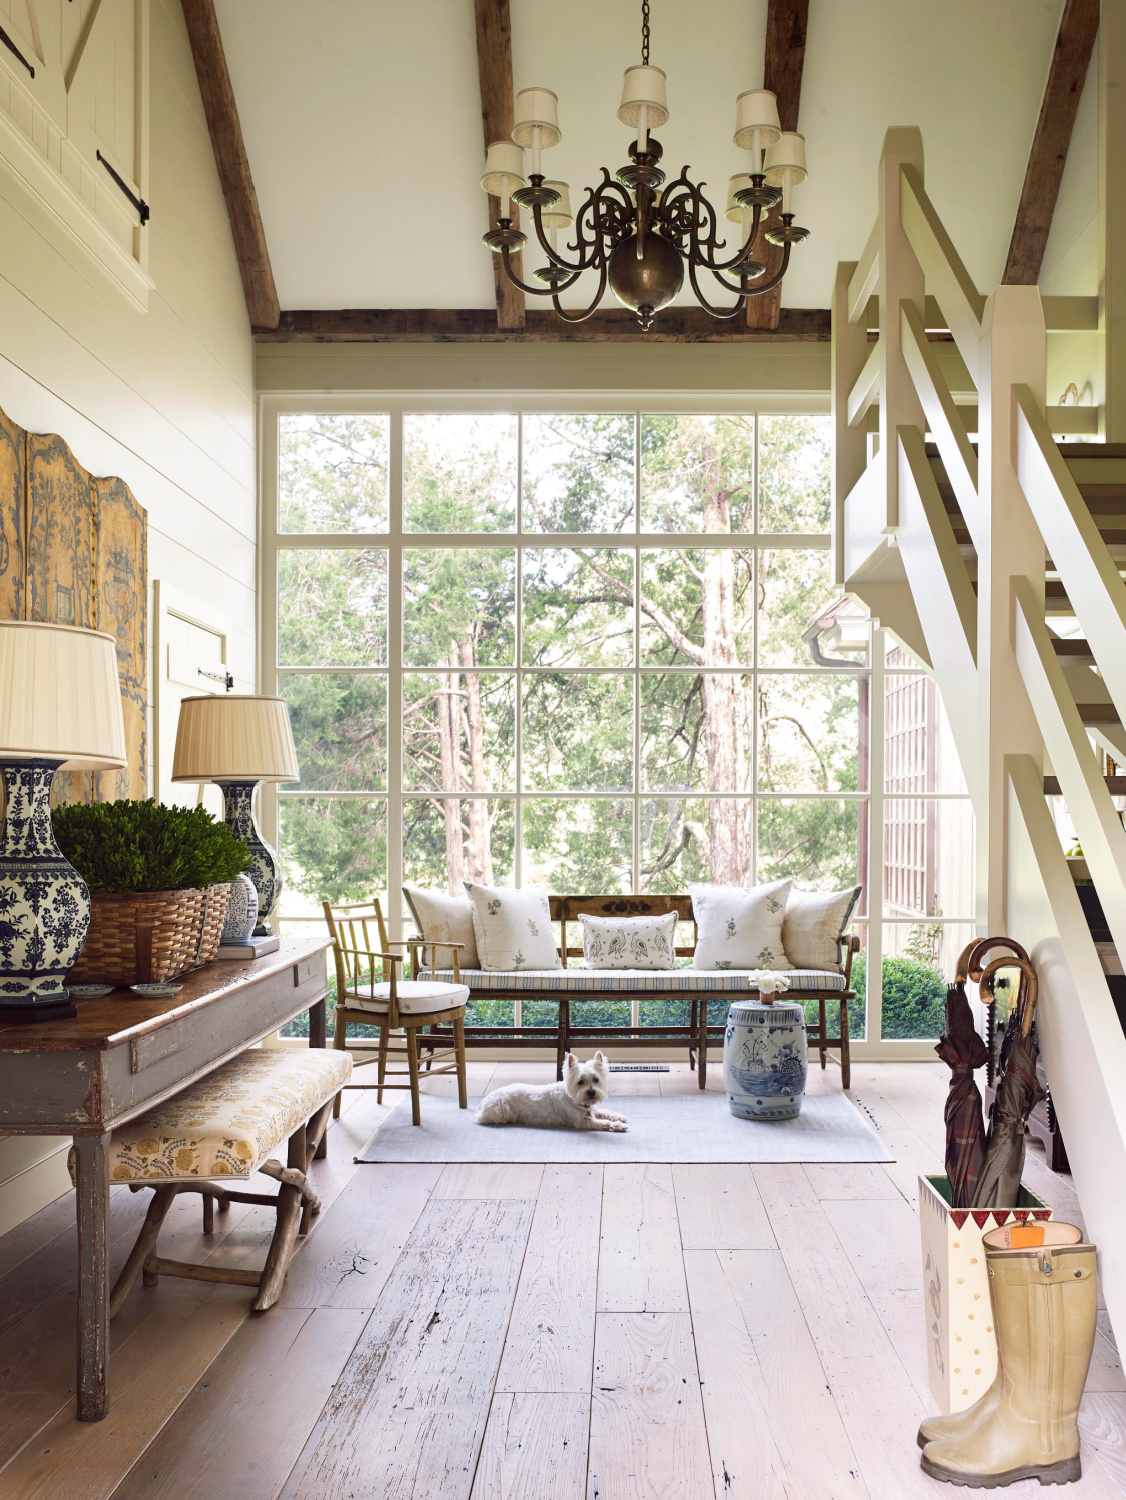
<point>1071,257</point>
<point>163,398</point>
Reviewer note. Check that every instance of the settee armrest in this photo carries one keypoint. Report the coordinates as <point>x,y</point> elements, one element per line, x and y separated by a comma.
<point>852,945</point>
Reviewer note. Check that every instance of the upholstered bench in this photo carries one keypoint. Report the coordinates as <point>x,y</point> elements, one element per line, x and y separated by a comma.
<point>222,1130</point>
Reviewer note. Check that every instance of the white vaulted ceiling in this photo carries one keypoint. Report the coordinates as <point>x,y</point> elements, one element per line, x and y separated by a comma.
<point>363,127</point>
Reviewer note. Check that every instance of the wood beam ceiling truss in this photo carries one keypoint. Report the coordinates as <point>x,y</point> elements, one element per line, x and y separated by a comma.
<point>494,70</point>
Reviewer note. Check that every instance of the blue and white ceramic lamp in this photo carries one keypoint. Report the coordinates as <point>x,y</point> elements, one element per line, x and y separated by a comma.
<point>238,741</point>
<point>60,709</point>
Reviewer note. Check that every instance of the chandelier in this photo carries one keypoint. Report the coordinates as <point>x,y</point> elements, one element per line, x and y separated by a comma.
<point>636,234</point>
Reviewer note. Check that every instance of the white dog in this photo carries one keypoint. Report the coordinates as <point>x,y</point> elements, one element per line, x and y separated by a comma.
<point>574,1103</point>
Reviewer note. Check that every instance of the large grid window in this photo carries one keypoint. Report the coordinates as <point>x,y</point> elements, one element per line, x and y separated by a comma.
<point>568,647</point>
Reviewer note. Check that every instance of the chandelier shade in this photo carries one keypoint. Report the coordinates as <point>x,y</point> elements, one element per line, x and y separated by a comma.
<point>641,235</point>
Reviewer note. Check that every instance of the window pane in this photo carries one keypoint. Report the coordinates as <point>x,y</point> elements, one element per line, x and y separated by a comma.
<point>928,857</point>
<point>578,607</point>
<point>808,732</point>
<point>459,607</point>
<point>450,839</point>
<point>340,730</point>
<point>919,964</point>
<point>459,732</point>
<point>793,483</point>
<point>578,732</point>
<point>676,843</point>
<point>919,753</point>
<point>697,606</point>
<point>697,473</point>
<point>332,607</point>
<point>334,849</point>
<point>332,472</point>
<point>584,847</point>
<point>578,473</point>
<point>459,472</point>
<point>795,586</point>
<point>696,731</point>
<point>814,842</point>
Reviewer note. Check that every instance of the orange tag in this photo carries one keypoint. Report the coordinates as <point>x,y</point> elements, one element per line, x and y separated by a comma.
<point>1021,1236</point>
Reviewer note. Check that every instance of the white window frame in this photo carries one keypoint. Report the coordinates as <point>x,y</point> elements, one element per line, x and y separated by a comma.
<point>395,540</point>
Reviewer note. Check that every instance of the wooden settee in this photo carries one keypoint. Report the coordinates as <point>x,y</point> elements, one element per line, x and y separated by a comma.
<point>572,987</point>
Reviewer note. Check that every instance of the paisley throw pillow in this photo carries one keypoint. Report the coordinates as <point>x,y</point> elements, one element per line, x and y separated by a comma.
<point>739,929</point>
<point>513,928</point>
<point>629,942</point>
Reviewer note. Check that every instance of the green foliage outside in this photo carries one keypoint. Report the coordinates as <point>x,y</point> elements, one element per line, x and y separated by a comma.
<point>124,847</point>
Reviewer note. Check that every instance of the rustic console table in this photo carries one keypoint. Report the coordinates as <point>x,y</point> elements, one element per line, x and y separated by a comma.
<point>118,1057</point>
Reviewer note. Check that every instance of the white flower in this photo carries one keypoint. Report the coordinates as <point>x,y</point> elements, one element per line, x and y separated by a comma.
<point>768,981</point>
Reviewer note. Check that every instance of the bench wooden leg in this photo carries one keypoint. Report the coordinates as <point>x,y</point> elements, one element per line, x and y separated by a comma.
<point>823,1033</point>
<point>563,1036</point>
<point>846,1060</point>
<point>162,1200</point>
<point>208,1213</point>
<point>692,1023</point>
<point>702,1063</point>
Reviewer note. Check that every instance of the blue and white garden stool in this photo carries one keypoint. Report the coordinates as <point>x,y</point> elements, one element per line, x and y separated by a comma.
<point>764,1059</point>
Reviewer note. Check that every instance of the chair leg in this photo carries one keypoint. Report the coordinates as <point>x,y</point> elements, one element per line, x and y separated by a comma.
<point>459,1049</point>
<point>846,1059</point>
<point>339,1044</point>
<point>162,1200</point>
<point>823,1034</point>
<point>384,1042</point>
<point>412,1063</point>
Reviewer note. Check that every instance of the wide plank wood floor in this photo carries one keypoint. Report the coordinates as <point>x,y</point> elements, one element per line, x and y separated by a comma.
<point>523,1332</point>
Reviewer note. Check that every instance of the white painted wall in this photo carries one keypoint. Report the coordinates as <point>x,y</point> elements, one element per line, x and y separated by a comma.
<point>1071,257</point>
<point>163,398</point>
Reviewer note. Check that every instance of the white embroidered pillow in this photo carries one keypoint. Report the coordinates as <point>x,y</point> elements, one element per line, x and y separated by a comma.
<point>441,918</point>
<point>739,929</point>
<point>512,928</point>
<point>629,942</point>
<point>814,925</point>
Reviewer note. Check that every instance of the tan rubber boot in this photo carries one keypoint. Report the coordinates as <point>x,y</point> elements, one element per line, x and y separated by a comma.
<point>958,1423</point>
<point>1044,1294</point>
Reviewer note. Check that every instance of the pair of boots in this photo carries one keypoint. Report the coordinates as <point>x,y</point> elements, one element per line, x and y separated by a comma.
<point>1043,1291</point>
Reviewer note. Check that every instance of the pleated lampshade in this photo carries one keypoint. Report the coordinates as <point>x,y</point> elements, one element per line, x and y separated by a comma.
<point>60,696</point>
<point>234,738</point>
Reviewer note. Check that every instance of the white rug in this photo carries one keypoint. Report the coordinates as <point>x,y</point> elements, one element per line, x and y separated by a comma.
<point>677,1128</point>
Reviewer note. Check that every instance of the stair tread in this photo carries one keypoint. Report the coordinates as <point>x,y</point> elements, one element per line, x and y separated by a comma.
<point>1115,785</point>
<point>1098,713</point>
<point>1071,646</point>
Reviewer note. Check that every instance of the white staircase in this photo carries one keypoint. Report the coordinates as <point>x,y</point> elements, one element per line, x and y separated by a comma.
<point>971,533</point>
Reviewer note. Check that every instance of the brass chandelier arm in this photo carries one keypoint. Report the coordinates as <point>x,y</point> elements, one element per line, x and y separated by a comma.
<point>724,314</point>
<point>592,309</point>
<point>534,291</point>
<point>701,247</point>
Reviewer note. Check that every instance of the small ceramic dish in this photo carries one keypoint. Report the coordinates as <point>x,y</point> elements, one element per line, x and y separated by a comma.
<point>89,991</point>
<point>156,991</point>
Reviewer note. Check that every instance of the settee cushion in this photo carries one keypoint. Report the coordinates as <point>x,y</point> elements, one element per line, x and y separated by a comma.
<point>686,981</point>
<point>739,928</point>
<point>629,942</point>
<point>512,928</point>
<point>814,924</point>
<point>442,918</point>
<point>229,1123</point>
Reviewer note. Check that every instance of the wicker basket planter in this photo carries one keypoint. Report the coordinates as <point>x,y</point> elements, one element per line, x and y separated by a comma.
<point>151,936</point>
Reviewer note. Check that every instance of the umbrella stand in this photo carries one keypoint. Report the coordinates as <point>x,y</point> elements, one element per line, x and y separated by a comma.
<point>1018,1091</point>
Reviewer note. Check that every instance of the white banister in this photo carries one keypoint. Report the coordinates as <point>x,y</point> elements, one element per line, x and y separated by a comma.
<point>901,280</point>
<point>867,387</point>
<point>1071,533</point>
<point>850,447</point>
<point>943,418</point>
<point>961,302</point>
<point>865,275</point>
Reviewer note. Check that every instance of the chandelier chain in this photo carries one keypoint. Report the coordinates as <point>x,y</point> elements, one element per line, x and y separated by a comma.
<point>645,33</point>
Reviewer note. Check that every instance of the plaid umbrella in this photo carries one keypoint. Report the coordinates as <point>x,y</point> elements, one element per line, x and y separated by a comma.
<point>1018,1092</point>
<point>963,1050</point>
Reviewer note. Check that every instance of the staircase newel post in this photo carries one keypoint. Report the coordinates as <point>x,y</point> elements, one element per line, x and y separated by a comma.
<point>1013,351</point>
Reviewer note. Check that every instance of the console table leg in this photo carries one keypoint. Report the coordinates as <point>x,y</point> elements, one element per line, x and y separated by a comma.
<point>318,1037</point>
<point>92,1196</point>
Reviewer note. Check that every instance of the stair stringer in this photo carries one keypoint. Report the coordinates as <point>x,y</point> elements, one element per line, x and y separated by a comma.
<point>1082,1043</point>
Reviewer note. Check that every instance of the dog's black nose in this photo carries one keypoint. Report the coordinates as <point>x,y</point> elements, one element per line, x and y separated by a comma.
<point>591,1094</point>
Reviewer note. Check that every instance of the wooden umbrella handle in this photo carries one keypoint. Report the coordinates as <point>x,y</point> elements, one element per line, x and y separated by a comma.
<point>1026,999</point>
<point>970,963</point>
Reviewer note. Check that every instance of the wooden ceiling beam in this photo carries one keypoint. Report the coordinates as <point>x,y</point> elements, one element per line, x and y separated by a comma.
<point>786,22</point>
<point>230,158</point>
<point>681,325</point>
<point>494,70</point>
<point>1079,26</point>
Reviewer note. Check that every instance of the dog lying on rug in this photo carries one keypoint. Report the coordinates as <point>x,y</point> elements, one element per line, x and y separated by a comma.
<point>573,1104</point>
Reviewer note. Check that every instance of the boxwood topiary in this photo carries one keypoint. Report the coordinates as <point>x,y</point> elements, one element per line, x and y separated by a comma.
<point>120,848</point>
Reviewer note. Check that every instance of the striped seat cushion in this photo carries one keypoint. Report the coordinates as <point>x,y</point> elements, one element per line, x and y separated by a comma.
<point>230,1122</point>
<point>684,981</point>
